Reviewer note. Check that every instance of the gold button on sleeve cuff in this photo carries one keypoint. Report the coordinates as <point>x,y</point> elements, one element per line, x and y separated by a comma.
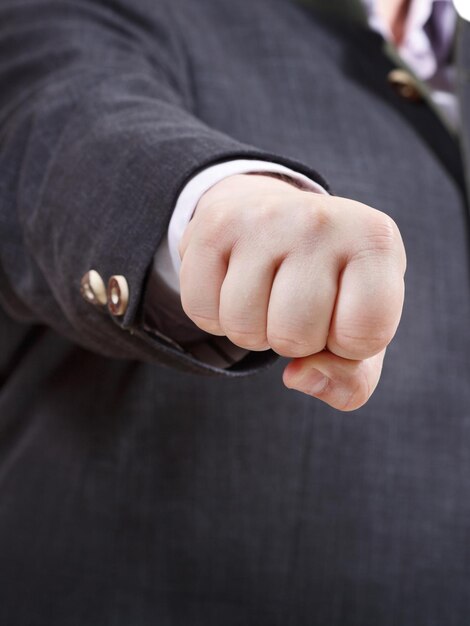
<point>118,295</point>
<point>93,289</point>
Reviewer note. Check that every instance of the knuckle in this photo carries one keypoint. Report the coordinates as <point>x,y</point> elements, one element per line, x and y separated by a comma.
<point>213,227</point>
<point>243,329</point>
<point>382,235</point>
<point>316,219</point>
<point>267,211</point>
<point>267,222</point>
<point>289,344</point>
<point>362,342</point>
<point>201,318</point>
<point>252,340</point>
<point>207,324</point>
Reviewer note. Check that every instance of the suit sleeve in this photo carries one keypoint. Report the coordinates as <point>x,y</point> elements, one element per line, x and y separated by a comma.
<point>97,139</point>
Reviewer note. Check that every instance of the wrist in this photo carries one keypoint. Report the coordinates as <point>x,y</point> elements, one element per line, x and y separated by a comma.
<point>248,184</point>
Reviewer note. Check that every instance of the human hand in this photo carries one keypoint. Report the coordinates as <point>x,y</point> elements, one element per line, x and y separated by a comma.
<point>315,278</point>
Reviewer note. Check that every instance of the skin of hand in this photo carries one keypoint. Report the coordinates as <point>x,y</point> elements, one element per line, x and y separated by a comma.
<point>316,278</point>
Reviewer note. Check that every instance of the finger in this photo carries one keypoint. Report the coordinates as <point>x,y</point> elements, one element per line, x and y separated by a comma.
<point>300,306</point>
<point>343,384</point>
<point>244,299</point>
<point>202,273</point>
<point>369,302</point>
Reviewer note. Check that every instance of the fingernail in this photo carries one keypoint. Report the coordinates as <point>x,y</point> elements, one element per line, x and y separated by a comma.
<point>316,382</point>
<point>313,382</point>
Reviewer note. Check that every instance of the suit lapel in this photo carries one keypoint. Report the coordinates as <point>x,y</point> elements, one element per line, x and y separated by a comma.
<point>392,53</point>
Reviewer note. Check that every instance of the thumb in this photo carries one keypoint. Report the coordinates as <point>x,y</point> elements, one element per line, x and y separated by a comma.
<point>342,383</point>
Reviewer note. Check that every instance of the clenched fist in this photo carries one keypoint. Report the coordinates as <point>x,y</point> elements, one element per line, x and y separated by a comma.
<point>316,278</point>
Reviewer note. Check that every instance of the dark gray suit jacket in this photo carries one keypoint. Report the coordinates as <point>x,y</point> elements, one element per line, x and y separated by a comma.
<point>134,490</point>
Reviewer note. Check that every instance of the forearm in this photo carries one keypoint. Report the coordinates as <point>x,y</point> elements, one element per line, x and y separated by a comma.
<point>99,138</point>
